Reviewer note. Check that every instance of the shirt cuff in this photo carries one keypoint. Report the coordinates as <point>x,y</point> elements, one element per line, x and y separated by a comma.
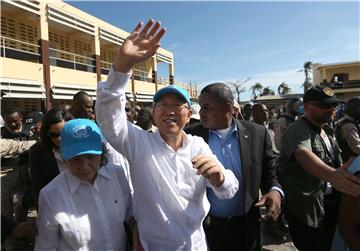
<point>230,186</point>
<point>279,190</point>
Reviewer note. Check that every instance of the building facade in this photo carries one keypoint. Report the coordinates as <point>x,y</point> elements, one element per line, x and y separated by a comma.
<point>343,78</point>
<point>51,50</point>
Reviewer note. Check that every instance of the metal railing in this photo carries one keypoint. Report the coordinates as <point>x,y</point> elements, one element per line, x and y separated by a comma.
<point>165,81</point>
<point>71,60</point>
<point>105,67</point>
<point>192,89</point>
<point>18,49</point>
<point>141,75</point>
<point>343,84</point>
<point>138,74</point>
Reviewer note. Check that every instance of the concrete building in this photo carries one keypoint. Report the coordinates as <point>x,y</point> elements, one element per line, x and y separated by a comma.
<point>51,50</point>
<point>343,78</point>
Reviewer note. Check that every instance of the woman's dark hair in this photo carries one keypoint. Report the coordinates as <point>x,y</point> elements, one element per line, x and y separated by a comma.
<point>52,117</point>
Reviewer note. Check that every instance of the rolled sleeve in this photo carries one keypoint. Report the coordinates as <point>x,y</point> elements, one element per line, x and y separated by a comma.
<point>110,109</point>
<point>229,187</point>
<point>294,139</point>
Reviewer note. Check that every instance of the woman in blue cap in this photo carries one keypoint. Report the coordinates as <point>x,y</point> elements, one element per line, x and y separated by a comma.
<point>85,206</point>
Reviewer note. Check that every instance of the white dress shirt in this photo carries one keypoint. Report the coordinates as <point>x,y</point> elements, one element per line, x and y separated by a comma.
<point>170,200</point>
<point>75,215</point>
<point>119,160</point>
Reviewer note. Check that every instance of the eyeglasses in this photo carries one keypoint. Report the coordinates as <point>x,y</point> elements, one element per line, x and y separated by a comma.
<point>53,134</point>
<point>172,107</point>
<point>324,106</point>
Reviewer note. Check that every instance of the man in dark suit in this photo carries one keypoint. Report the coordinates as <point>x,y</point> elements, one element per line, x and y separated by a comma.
<point>246,149</point>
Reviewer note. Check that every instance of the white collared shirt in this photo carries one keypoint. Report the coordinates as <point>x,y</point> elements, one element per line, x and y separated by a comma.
<point>75,215</point>
<point>170,200</point>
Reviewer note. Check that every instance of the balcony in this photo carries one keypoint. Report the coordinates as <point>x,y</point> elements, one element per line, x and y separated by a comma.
<point>105,67</point>
<point>343,84</point>
<point>139,75</point>
<point>17,49</point>
<point>71,60</point>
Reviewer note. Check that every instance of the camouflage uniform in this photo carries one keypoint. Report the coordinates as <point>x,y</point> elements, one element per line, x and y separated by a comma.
<point>14,177</point>
<point>347,135</point>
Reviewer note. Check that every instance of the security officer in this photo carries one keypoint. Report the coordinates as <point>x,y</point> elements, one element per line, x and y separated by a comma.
<point>348,131</point>
<point>309,170</point>
<point>292,110</point>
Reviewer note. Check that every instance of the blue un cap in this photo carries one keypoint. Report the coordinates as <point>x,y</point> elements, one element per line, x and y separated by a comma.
<point>172,89</point>
<point>80,136</point>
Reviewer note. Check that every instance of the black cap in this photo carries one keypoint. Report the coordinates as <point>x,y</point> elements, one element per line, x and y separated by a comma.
<point>34,118</point>
<point>322,95</point>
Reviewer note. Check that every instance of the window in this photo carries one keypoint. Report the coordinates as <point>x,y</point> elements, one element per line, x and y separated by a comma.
<point>340,77</point>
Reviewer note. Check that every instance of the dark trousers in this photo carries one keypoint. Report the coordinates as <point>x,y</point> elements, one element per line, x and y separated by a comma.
<point>241,233</point>
<point>307,238</point>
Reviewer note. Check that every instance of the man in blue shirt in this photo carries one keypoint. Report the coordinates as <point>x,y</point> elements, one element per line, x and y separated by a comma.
<point>246,149</point>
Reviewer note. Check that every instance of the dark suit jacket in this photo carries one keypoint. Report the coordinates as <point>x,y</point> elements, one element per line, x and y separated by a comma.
<point>43,168</point>
<point>257,159</point>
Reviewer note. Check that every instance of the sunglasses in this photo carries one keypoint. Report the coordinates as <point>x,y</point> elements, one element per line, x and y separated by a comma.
<point>53,135</point>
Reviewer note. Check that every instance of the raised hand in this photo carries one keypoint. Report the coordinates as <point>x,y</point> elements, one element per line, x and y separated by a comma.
<point>209,168</point>
<point>345,182</point>
<point>142,44</point>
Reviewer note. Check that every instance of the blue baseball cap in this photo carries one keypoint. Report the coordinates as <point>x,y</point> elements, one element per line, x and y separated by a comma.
<point>80,136</point>
<point>172,89</point>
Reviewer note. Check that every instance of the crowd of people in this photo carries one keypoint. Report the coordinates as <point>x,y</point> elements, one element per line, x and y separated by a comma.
<point>178,175</point>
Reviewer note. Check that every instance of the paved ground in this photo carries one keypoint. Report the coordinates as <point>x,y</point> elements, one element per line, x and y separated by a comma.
<point>275,240</point>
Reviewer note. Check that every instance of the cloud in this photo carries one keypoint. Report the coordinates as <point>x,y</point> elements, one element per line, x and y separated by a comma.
<point>292,77</point>
<point>173,46</point>
<point>273,79</point>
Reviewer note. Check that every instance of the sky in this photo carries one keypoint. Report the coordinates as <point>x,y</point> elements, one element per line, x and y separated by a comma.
<point>267,42</point>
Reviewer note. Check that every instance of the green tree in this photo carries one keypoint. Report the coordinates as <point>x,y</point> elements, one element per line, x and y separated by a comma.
<point>267,91</point>
<point>283,88</point>
<point>256,89</point>
<point>307,69</point>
